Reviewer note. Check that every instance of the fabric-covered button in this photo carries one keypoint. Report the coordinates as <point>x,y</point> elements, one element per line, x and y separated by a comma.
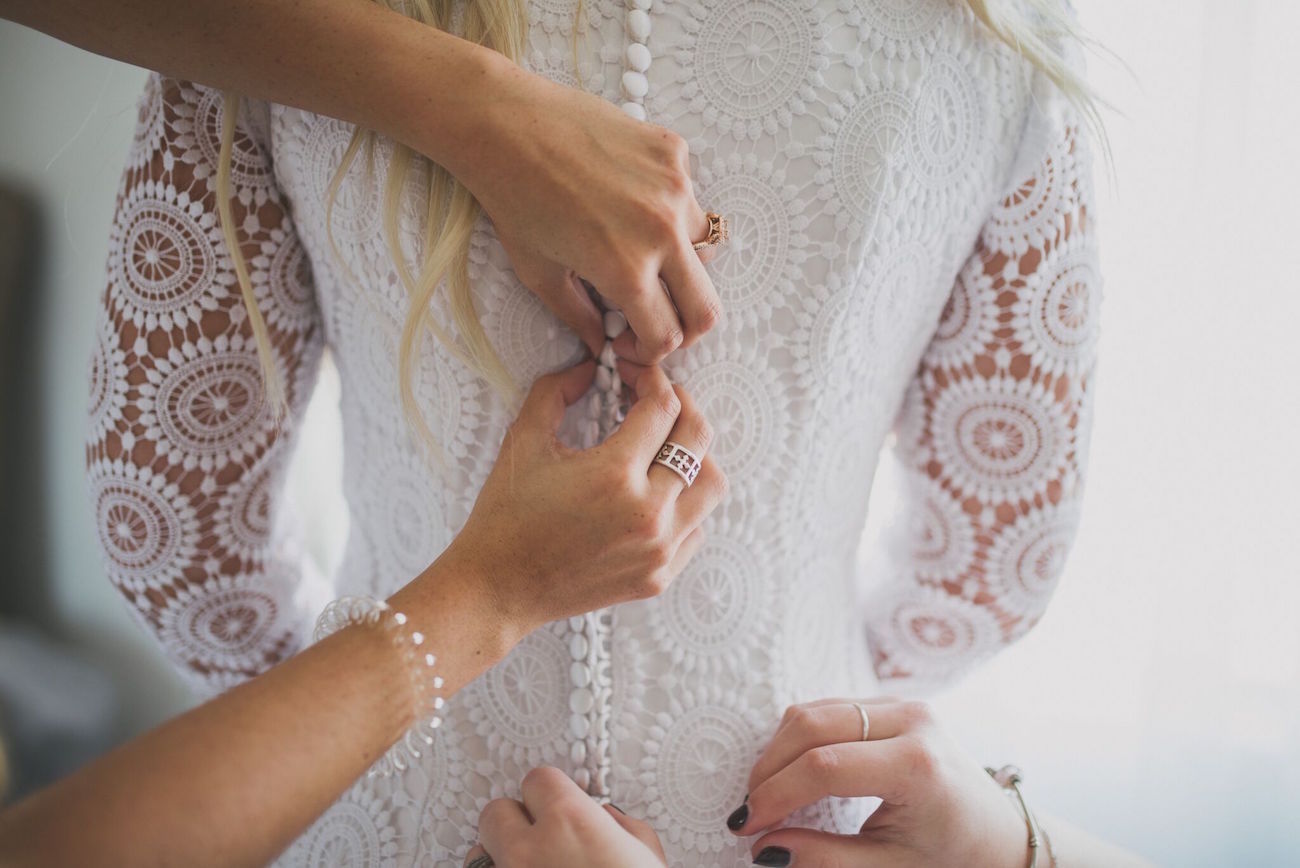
<point>638,56</point>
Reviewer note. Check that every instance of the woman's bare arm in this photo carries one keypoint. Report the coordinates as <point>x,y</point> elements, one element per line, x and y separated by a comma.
<point>235,780</point>
<point>351,59</point>
<point>574,186</point>
<point>554,533</point>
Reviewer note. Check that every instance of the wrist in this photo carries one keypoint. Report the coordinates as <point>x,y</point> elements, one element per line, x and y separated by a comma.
<point>456,603</point>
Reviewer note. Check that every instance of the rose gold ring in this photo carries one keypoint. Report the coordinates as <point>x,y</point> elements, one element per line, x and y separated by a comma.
<point>719,232</point>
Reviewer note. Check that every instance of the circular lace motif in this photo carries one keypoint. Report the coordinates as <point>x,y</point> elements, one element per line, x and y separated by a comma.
<point>901,20</point>
<point>145,535</point>
<point>948,125</point>
<point>150,123</point>
<point>1056,322</point>
<point>832,500</point>
<point>752,262</point>
<point>163,263</point>
<point>901,282</point>
<point>407,519</point>
<point>1034,212</point>
<point>211,406</point>
<point>244,513</point>
<point>229,623</point>
<point>701,768</point>
<point>369,329</point>
<point>868,149</point>
<point>752,56</point>
<point>108,383</point>
<point>292,291</point>
<point>742,413</point>
<point>526,695</point>
<point>837,331</point>
<point>968,320</point>
<point>443,387</point>
<point>532,340</point>
<point>557,69</point>
<point>810,642</point>
<point>355,216</point>
<point>358,830</point>
<point>248,167</point>
<point>933,634</point>
<point>998,441</point>
<point>1028,558</point>
<point>713,602</point>
<point>943,538</point>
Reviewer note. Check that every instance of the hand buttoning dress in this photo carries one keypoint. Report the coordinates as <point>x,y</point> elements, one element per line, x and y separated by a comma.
<point>912,252</point>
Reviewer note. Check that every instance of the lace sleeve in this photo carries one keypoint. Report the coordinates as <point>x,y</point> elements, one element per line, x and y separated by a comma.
<point>993,432</point>
<point>184,460</point>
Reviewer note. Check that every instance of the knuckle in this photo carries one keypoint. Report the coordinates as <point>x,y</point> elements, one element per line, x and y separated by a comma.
<point>659,217</point>
<point>659,557</point>
<point>678,183</point>
<point>670,340</point>
<point>675,147</point>
<point>490,812</point>
<point>697,430</point>
<point>652,529</point>
<point>710,315</point>
<point>821,762</point>
<point>542,776</point>
<point>921,761</point>
<point>669,404</point>
<point>917,714</point>
<point>720,482</point>
<point>654,583</point>
<point>802,718</point>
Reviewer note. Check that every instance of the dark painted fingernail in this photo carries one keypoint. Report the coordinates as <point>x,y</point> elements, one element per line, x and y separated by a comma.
<point>773,857</point>
<point>739,816</point>
<point>617,808</point>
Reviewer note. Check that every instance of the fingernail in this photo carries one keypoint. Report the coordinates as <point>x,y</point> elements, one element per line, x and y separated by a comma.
<point>617,808</point>
<point>773,857</point>
<point>739,816</point>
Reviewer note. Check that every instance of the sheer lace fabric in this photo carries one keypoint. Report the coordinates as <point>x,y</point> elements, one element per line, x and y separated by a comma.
<point>912,251</point>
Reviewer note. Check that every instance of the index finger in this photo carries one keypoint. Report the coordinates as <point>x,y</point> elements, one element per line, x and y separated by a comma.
<point>819,724</point>
<point>544,788</point>
<point>650,420</point>
<point>856,769</point>
<point>654,328</point>
<point>692,293</point>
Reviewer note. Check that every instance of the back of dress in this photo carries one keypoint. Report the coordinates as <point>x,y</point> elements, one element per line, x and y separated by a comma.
<point>911,243</point>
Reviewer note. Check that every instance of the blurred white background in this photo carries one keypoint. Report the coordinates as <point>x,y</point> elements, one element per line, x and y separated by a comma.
<point>1158,703</point>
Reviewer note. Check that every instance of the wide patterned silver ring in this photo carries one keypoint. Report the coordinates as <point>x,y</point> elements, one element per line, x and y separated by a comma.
<point>679,460</point>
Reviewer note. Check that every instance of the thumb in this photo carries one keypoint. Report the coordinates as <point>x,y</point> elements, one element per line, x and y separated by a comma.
<point>568,299</point>
<point>544,405</point>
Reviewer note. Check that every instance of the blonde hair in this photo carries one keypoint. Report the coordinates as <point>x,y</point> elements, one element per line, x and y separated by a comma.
<point>1041,31</point>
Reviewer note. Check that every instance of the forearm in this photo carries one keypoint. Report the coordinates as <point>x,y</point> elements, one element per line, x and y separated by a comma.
<point>350,59</point>
<point>1074,848</point>
<point>267,757</point>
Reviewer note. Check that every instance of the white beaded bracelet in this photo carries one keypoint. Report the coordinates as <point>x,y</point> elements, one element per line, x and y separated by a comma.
<point>426,684</point>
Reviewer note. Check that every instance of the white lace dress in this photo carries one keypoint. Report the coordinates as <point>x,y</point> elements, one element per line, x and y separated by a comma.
<point>912,252</point>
